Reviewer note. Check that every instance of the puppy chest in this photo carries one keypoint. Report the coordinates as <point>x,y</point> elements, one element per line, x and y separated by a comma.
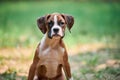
<point>51,58</point>
<point>50,53</point>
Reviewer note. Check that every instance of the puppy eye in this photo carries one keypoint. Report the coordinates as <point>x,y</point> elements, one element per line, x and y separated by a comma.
<point>50,24</point>
<point>61,23</point>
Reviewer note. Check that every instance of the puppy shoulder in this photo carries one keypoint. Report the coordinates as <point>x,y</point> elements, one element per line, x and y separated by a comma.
<point>36,58</point>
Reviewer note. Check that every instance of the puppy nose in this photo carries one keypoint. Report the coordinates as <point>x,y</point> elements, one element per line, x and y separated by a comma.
<point>55,30</point>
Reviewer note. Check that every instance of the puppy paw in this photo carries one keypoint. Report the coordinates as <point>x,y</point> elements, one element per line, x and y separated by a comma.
<point>71,78</point>
<point>35,77</point>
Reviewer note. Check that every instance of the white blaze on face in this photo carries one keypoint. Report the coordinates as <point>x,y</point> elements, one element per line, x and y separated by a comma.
<point>56,26</point>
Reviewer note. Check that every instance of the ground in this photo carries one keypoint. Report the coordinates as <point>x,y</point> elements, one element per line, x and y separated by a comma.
<point>15,62</point>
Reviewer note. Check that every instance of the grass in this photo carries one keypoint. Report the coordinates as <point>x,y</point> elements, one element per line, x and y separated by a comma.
<point>11,76</point>
<point>94,23</point>
<point>87,66</point>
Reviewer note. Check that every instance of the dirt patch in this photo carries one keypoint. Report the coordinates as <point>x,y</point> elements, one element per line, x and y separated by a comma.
<point>84,48</point>
<point>16,59</point>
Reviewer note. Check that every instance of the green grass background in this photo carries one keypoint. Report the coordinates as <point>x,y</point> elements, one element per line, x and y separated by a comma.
<point>93,21</point>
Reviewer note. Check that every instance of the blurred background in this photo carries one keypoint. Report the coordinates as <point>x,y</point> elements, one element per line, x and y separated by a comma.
<point>93,44</point>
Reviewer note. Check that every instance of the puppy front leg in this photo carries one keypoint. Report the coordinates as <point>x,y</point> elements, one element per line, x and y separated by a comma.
<point>66,66</point>
<point>31,72</point>
<point>33,66</point>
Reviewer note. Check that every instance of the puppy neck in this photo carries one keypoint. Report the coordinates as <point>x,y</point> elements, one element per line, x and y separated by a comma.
<point>47,42</point>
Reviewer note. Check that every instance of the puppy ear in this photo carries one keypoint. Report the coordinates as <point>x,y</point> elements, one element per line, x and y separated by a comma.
<point>69,20</point>
<point>41,24</point>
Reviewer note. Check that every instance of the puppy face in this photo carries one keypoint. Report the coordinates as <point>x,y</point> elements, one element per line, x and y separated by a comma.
<point>54,24</point>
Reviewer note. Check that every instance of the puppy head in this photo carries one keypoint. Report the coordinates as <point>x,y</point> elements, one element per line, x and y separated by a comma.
<point>54,24</point>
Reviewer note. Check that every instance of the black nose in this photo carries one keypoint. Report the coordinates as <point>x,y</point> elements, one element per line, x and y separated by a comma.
<point>55,30</point>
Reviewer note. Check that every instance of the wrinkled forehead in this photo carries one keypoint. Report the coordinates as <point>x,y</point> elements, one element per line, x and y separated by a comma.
<point>57,17</point>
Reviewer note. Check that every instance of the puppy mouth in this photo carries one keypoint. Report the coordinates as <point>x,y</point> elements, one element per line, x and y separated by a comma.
<point>56,36</point>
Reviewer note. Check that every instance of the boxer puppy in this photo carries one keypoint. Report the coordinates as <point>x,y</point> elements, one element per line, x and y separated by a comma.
<point>51,54</point>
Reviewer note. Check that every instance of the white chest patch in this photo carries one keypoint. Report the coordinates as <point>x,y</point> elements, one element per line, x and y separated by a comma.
<point>49,51</point>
